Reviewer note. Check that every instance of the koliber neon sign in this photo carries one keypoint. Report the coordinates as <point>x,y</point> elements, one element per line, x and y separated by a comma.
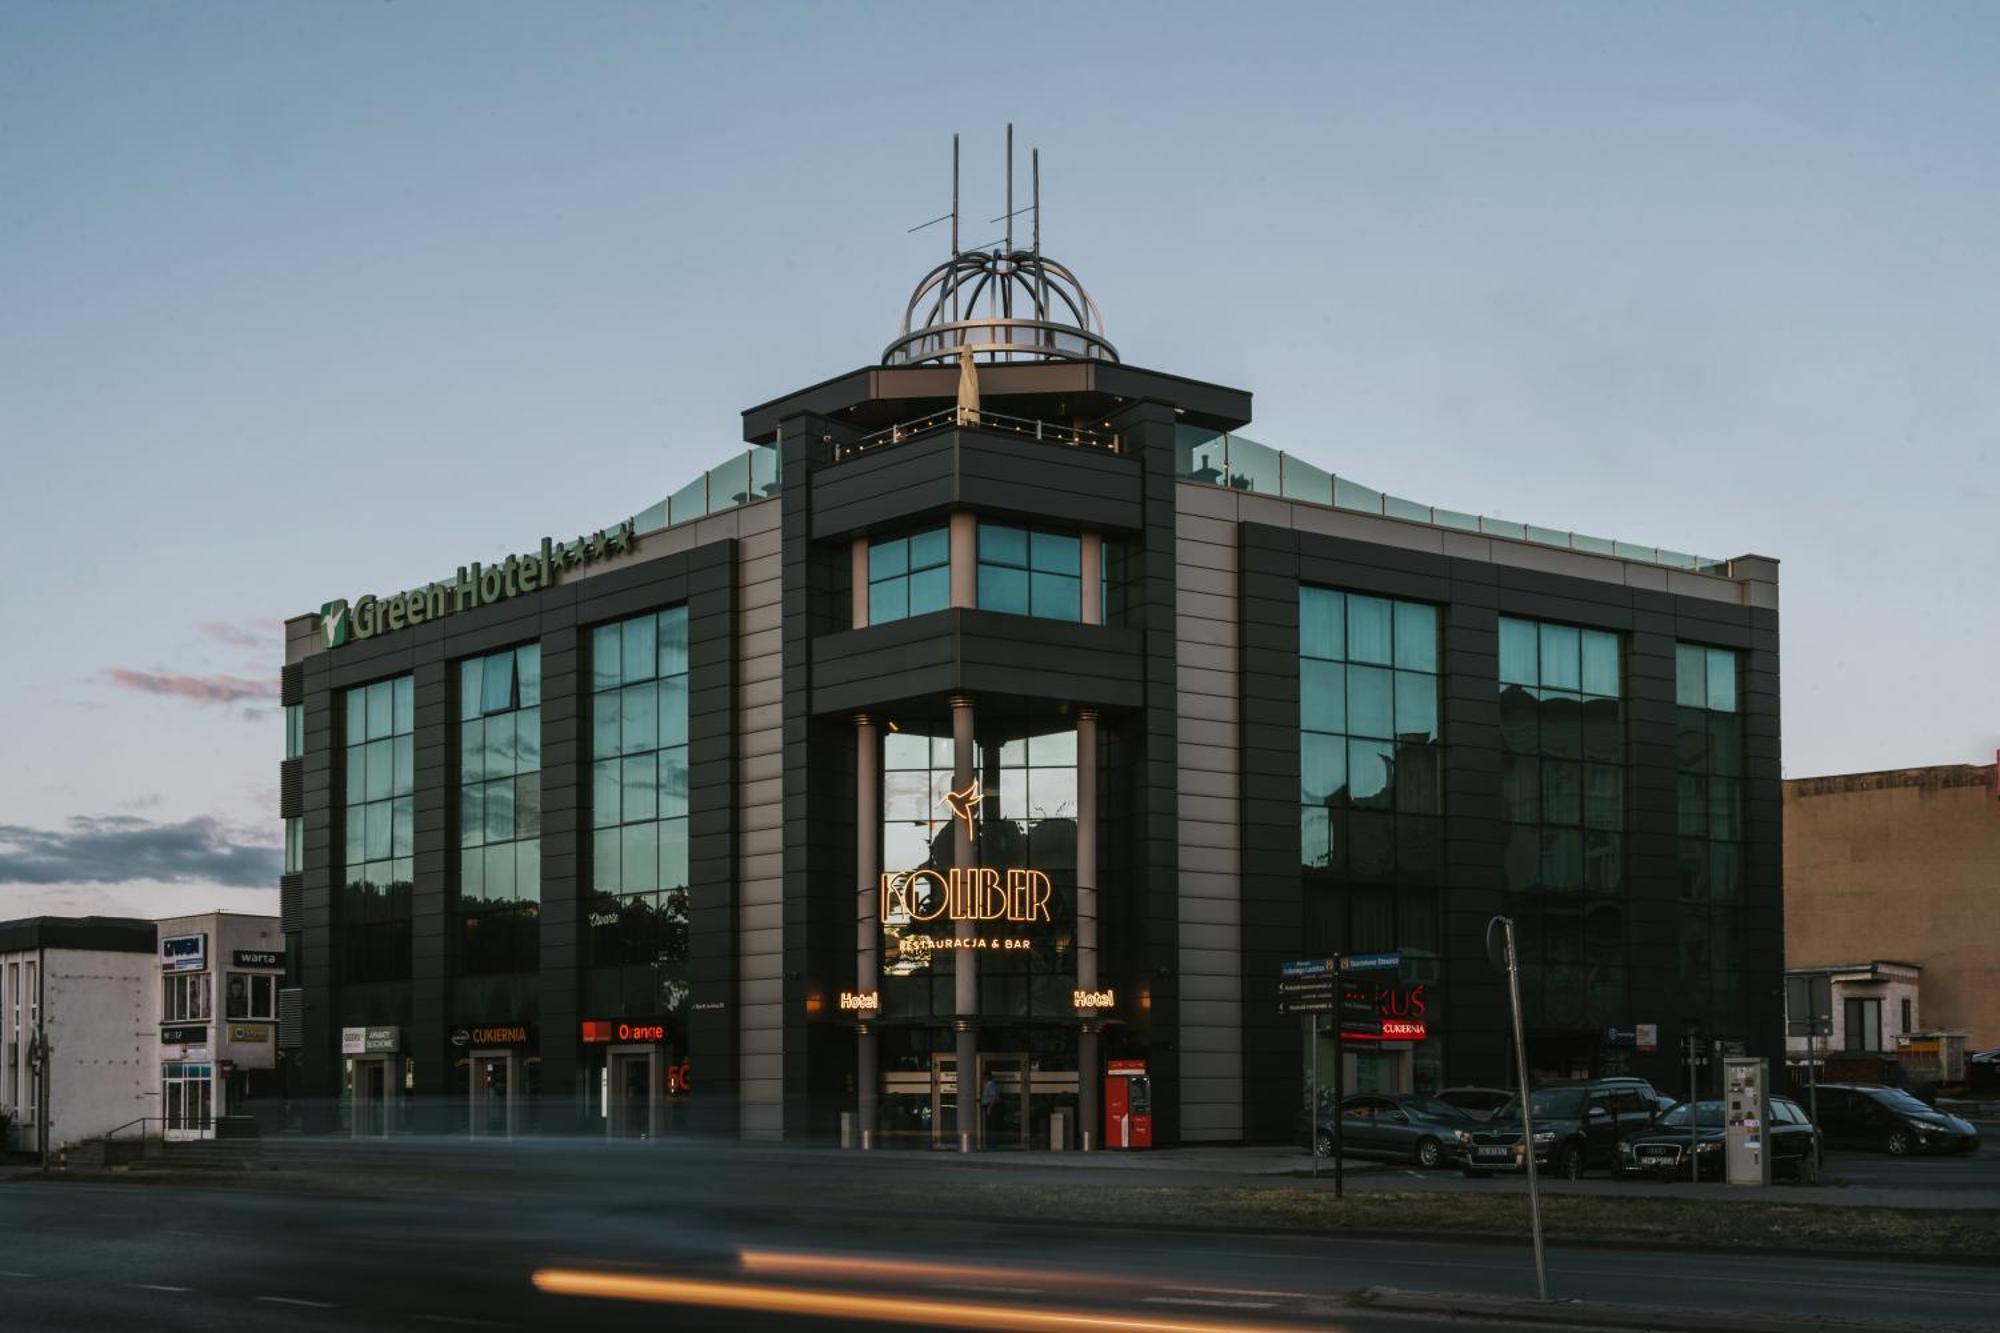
<point>975,893</point>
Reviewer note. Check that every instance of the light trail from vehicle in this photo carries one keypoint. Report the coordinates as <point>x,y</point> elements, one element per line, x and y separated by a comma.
<point>868,1308</point>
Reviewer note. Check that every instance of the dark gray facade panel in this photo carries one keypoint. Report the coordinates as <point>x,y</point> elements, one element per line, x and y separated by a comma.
<point>558,618</point>
<point>1274,562</point>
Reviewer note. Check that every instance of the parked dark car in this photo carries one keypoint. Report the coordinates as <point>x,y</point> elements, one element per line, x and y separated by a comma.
<point>1402,1127</point>
<point>1577,1128</point>
<point>1661,1150</point>
<point>1868,1115</point>
<point>1479,1103</point>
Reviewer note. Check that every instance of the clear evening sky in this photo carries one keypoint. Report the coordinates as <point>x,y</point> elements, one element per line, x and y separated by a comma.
<point>277,279</point>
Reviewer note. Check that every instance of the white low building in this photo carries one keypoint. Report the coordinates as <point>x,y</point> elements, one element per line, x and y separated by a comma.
<point>217,1010</point>
<point>77,1031</point>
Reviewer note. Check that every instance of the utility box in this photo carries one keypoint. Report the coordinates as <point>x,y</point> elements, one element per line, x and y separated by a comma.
<point>1746,1119</point>
<point>1059,1131</point>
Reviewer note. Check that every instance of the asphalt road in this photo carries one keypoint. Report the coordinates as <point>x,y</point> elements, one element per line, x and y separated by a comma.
<point>660,1240</point>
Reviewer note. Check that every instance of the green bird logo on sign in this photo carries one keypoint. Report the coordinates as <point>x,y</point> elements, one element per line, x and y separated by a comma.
<point>333,623</point>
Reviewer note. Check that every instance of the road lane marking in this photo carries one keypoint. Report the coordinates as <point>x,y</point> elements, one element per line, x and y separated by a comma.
<point>12,1274</point>
<point>1244,1291</point>
<point>1208,1302</point>
<point>156,1286</point>
<point>293,1300</point>
<point>990,1290</point>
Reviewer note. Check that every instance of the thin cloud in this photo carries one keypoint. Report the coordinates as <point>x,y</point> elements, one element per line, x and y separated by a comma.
<point>117,849</point>
<point>217,689</point>
<point>251,634</point>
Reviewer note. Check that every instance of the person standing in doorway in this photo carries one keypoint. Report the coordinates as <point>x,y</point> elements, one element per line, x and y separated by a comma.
<point>989,1106</point>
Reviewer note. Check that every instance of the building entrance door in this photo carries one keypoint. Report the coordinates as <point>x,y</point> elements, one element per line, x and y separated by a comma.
<point>1003,1101</point>
<point>632,1075</point>
<point>187,1100</point>
<point>368,1097</point>
<point>494,1092</point>
<point>944,1101</point>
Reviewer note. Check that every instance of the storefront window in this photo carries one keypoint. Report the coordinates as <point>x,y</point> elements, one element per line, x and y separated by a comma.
<point>1026,819</point>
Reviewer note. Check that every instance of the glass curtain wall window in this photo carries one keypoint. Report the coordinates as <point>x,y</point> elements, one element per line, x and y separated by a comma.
<point>909,576</point>
<point>500,811</point>
<point>1562,788</point>
<point>295,730</point>
<point>1708,763</point>
<point>1030,573</point>
<point>1369,772</point>
<point>1026,817</point>
<point>295,845</point>
<point>373,920</point>
<point>637,924</point>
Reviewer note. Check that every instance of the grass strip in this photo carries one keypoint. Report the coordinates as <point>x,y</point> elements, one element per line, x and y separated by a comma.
<point>1640,1221</point>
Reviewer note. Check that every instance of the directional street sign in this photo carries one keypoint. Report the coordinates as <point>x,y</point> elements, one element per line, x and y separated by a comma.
<point>1307,986</point>
<point>1371,962</point>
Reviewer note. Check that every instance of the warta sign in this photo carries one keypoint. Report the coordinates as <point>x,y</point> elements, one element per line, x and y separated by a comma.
<point>971,893</point>
<point>477,585</point>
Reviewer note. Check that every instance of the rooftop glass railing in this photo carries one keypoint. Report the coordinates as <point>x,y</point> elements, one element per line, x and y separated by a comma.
<point>750,475</point>
<point>1241,464</point>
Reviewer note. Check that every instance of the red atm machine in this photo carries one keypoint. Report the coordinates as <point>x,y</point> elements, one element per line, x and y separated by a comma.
<point>1128,1105</point>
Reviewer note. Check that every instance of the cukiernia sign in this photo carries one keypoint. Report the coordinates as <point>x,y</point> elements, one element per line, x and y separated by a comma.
<point>475,586</point>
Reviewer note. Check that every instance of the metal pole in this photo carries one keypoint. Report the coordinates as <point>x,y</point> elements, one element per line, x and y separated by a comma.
<point>1527,1110</point>
<point>1339,1076</point>
<point>1694,1098</point>
<point>1312,1118</point>
<point>1812,1085</point>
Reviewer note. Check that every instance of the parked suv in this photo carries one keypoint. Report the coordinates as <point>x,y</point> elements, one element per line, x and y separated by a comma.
<point>1577,1128</point>
<point>1867,1115</point>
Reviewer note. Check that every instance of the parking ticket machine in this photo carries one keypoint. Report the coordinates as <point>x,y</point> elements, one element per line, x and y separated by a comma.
<point>1128,1105</point>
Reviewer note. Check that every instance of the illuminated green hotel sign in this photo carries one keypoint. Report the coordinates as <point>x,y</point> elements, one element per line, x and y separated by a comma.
<point>477,585</point>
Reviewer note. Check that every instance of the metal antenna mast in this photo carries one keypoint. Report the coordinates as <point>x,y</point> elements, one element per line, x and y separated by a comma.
<point>1041,274</point>
<point>1057,322</point>
<point>954,221</point>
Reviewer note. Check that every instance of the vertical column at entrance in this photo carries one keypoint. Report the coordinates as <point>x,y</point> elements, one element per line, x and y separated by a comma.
<point>1088,1076</point>
<point>964,533</point>
<point>867,907</point>
<point>965,965</point>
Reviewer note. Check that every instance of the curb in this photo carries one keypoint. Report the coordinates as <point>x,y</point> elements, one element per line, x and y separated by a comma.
<point>1601,1314</point>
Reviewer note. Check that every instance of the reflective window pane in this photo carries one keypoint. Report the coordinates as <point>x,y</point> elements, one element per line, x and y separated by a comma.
<point>1562,666</point>
<point>641,649</point>
<point>1322,624</point>
<point>606,654</point>
<point>1600,662</point>
<point>1056,597</point>
<point>887,559</point>
<point>1369,632</point>
<point>1056,553</point>
<point>1721,680</point>
<point>1520,653</point>
<point>1002,589</point>
<point>1370,702</point>
<point>1416,636</point>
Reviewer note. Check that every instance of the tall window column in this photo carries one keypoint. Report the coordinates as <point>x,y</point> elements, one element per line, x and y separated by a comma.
<point>867,915</point>
<point>965,964</point>
<point>1087,1074</point>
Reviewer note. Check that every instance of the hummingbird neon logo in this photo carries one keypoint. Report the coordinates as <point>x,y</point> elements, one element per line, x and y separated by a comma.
<point>333,623</point>
<point>963,803</point>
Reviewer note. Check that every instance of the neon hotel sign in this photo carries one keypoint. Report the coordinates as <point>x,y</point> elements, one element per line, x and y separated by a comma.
<point>973,893</point>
